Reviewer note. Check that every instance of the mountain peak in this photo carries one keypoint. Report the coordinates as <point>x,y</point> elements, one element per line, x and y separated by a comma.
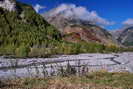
<point>9,5</point>
<point>72,11</point>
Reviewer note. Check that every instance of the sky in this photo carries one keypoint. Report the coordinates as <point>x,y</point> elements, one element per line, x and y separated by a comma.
<point>120,12</point>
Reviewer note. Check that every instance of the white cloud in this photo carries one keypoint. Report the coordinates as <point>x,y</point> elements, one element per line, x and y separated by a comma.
<point>80,12</point>
<point>38,7</point>
<point>128,22</point>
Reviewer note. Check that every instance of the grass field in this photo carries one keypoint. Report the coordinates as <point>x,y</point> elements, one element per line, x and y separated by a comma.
<point>95,80</point>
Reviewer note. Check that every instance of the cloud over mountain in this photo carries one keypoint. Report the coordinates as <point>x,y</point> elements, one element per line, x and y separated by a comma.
<point>38,7</point>
<point>128,22</point>
<point>79,12</point>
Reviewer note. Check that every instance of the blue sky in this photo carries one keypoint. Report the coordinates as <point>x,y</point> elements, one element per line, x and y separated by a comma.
<point>117,11</point>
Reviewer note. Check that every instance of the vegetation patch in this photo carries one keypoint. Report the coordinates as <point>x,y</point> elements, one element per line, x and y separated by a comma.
<point>94,80</point>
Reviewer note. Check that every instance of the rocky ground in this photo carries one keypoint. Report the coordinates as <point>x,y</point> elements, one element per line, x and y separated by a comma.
<point>114,62</point>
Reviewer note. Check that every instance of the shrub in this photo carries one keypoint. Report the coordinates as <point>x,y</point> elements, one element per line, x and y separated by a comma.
<point>10,49</point>
<point>22,51</point>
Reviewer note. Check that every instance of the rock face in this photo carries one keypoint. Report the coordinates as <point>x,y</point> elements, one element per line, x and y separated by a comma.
<point>75,29</point>
<point>126,36</point>
<point>9,5</point>
<point>116,33</point>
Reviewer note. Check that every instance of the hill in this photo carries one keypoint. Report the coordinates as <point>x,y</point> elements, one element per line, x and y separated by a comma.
<point>22,29</point>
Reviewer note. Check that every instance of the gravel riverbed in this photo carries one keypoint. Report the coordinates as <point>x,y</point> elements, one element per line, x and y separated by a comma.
<point>31,67</point>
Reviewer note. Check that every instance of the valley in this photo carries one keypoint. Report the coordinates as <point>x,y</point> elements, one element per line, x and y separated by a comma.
<point>61,48</point>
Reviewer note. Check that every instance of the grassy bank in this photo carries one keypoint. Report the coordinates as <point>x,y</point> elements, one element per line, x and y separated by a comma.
<point>96,80</point>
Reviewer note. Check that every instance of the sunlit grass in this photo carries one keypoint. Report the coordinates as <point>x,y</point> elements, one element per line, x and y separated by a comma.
<point>94,80</point>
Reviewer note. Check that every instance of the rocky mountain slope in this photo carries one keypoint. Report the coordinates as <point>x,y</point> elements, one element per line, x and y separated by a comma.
<point>126,36</point>
<point>75,29</point>
<point>116,33</point>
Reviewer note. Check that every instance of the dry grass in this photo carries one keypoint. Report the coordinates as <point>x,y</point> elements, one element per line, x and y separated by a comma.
<point>97,80</point>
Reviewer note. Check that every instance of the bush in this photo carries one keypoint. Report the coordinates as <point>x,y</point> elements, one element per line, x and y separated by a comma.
<point>68,71</point>
<point>10,49</point>
<point>22,51</point>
